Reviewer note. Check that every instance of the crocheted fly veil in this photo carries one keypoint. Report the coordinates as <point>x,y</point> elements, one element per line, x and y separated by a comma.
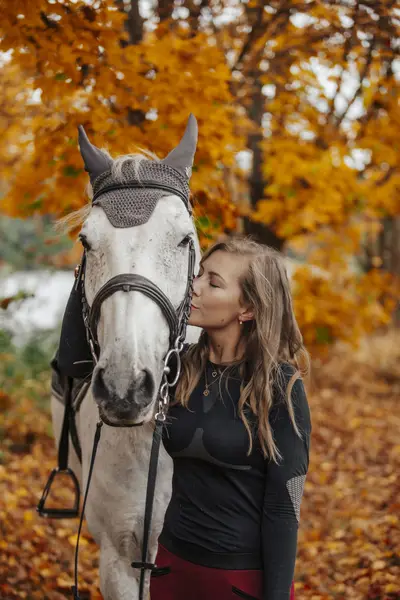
<point>127,200</point>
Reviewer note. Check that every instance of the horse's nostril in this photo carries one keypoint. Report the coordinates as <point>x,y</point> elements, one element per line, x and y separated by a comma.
<point>100,376</point>
<point>99,385</point>
<point>145,382</point>
<point>140,390</point>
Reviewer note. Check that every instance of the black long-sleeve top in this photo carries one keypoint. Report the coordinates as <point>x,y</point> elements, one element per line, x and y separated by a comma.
<point>229,510</point>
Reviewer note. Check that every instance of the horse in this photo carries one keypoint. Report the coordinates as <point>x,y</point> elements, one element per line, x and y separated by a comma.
<point>139,224</point>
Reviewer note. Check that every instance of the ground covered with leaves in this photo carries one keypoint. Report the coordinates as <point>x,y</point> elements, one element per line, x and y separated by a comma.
<point>349,539</point>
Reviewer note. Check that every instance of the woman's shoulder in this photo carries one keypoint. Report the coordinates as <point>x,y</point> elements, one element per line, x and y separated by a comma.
<point>298,394</point>
<point>284,373</point>
<point>287,368</point>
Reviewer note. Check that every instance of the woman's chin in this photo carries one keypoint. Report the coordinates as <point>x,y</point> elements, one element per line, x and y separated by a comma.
<point>194,322</point>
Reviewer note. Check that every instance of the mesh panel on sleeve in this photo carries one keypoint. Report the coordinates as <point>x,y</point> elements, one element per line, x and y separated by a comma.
<point>295,488</point>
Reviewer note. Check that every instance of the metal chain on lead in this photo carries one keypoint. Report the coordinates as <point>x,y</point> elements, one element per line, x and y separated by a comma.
<point>163,395</point>
<point>163,401</point>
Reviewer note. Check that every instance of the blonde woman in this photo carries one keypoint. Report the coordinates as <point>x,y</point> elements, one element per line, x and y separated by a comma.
<point>239,434</point>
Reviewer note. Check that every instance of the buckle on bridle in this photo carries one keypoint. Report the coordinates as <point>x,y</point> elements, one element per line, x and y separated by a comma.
<point>59,513</point>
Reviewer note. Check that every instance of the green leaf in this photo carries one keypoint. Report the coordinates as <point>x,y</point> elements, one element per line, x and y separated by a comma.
<point>323,335</point>
<point>203,222</point>
<point>70,171</point>
<point>36,204</point>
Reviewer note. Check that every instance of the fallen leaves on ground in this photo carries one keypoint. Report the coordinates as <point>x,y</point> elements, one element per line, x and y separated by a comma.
<point>349,538</point>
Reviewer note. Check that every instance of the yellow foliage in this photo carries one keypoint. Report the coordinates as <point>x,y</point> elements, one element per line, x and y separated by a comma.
<point>335,305</point>
<point>330,160</point>
<point>170,75</point>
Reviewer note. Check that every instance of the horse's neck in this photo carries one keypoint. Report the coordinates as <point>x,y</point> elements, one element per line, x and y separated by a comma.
<point>192,334</point>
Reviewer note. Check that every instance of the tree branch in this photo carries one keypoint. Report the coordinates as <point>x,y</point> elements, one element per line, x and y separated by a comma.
<point>47,21</point>
<point>374,105</point>
<point>348,45</point>
<point>255,16</point>
<point>195,13</point>
<point>363,76</point>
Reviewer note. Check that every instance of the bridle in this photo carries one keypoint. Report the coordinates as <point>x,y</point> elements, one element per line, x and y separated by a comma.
<point>177,321</point>
<point>128,282</point>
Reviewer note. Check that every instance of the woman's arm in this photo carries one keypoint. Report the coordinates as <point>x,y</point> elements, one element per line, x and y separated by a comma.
<point>283,492</point>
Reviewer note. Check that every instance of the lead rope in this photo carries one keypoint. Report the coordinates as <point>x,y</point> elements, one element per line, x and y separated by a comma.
<point>74,588</point>
<point>144,565</point>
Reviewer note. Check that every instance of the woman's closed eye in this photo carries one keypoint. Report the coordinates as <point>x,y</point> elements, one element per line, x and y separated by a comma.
<point>211,284</point>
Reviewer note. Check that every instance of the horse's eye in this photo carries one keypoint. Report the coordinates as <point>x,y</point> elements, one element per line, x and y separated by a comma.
<point>185,240</point>
<point>84,241</point>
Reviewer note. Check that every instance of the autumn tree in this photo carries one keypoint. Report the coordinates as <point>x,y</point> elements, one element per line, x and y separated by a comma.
<point>309,89</point>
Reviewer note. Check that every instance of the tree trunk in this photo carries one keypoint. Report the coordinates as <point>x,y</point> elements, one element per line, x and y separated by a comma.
<point>133,22</point>
<point>165,8</point>
<point>134,28</point>
<point>260,232</point>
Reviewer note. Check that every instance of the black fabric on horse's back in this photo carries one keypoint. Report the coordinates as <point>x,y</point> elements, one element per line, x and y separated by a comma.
<point>74,358</point>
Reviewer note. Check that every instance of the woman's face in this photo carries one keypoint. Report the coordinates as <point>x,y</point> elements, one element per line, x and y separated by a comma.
<point>216,291</point>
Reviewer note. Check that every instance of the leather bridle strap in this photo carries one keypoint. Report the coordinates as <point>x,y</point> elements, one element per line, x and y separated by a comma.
<point>143,565</point>
<point>62,467</point>
<point>74,587</point>
<point>128,282</point>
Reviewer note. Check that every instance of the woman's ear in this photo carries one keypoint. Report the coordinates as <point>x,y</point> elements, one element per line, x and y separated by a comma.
<point>246,315</point>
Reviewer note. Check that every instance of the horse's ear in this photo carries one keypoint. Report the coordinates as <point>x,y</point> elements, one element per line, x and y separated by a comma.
<point>181,157</point>
<point>96,162</point>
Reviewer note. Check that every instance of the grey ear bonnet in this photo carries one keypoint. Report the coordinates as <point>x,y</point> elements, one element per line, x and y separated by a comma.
<point>127,205</point>
<point>130,199</point>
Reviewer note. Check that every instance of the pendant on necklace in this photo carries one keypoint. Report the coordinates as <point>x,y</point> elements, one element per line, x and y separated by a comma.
<point>206,392</point>
<point>214,373</point>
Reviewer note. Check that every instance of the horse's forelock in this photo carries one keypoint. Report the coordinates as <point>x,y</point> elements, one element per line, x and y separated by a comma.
<point>132,159</point>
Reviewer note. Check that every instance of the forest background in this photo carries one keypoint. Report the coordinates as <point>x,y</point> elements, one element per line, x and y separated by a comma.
<point>299,127</point>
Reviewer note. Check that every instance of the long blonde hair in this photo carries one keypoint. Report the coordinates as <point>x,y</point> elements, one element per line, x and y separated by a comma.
<point>271,338</point>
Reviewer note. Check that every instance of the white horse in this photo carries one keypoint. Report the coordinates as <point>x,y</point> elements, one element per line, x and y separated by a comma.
<point>133,335</point>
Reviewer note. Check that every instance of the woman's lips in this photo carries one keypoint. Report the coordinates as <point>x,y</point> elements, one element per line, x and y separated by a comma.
<point>193,306</point>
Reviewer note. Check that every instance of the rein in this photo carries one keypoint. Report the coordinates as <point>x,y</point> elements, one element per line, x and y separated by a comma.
<point>177,321</point>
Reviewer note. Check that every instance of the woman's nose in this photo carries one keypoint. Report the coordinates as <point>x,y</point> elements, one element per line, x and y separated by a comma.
<point>196,286</point>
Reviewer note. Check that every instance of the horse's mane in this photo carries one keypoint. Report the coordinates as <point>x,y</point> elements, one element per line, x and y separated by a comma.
<point>77,217</point>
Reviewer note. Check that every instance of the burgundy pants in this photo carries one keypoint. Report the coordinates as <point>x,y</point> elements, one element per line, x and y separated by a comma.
<point>178,579</point>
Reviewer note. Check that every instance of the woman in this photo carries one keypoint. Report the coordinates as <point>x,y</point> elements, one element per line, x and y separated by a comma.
<point>239,433</point>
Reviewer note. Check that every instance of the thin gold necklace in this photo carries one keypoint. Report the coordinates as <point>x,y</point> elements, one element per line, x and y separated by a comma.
<point>214,373</point>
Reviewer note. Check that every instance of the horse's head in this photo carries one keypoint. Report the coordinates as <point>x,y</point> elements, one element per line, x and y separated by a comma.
<point>143,231</point>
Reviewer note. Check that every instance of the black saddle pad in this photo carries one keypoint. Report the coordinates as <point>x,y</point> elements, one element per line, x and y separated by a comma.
<point>58,383</point>
<point>73,357</point>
